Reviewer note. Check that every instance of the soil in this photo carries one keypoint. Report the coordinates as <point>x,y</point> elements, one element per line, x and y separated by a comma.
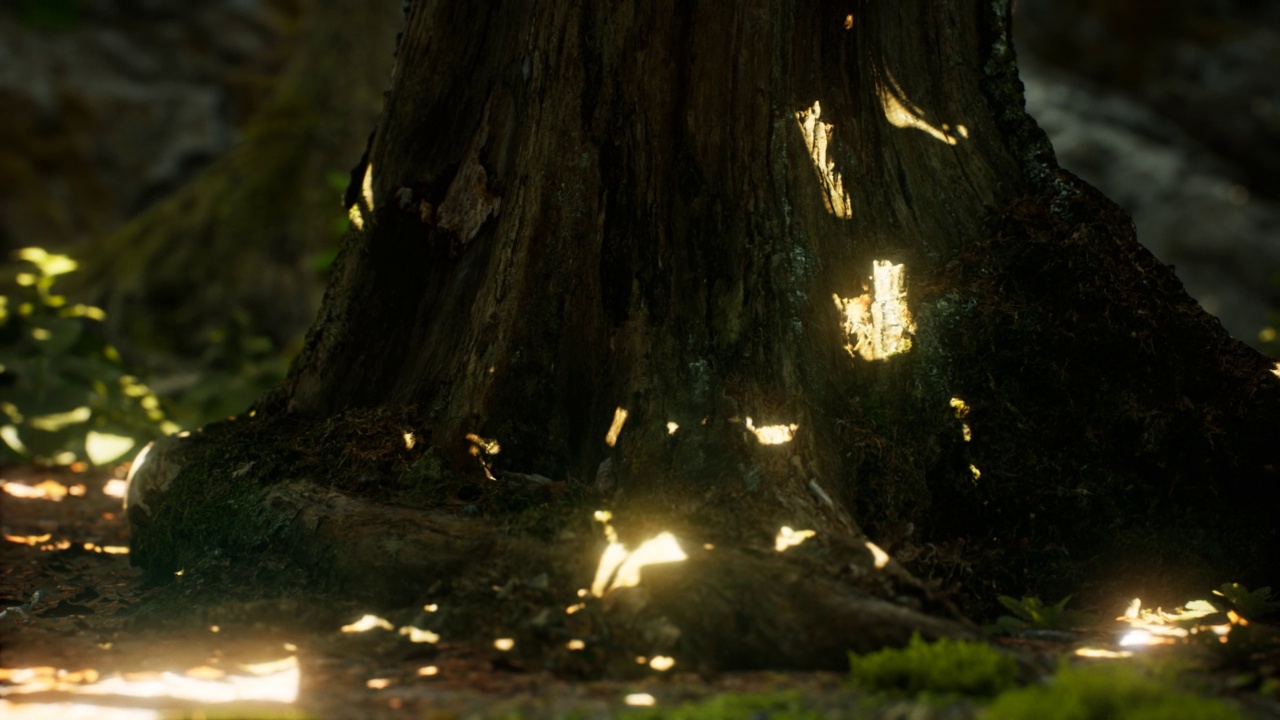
<point>82,635</point>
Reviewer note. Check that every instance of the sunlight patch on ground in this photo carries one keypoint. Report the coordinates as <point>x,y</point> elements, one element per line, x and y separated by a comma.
<point>773,434</point>
<point>419,635</point>
<point>504,644</point>
<point>276,681</point>
<point>902,113</point>
<point>788,538</point>
<point>619,419</point>
<point>817,135</point>
<point>1158,627</point>
<point>44,490</point>
<point>662,663</point>
<point>73,711</point>
<point>115,488</point>
<point>640,700</point>
<point>877,324</point>
<point>367,623</point>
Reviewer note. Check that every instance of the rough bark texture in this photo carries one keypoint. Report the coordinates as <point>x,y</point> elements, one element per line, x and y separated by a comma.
<point>576,210</point>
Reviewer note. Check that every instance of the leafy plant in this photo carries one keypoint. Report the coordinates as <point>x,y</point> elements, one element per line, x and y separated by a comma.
<point>944,667</point>
<point>1101,692</point>
<point>736,706</point>
<point>1031,612</point>
<point>1252,605</point>
<point>67,397</point>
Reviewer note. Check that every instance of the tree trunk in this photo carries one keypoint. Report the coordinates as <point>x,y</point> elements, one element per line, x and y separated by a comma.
<point>725,270</point>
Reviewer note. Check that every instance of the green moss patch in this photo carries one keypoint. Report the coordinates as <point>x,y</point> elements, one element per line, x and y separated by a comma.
<point>1106,691</point>
<point>945,667</point>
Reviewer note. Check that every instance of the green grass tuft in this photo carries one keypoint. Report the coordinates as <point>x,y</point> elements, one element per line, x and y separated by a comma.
<point>1102,692</point>
<point>946,667</point>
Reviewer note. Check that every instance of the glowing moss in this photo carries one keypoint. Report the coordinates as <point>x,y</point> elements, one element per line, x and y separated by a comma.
<point>944,667</point>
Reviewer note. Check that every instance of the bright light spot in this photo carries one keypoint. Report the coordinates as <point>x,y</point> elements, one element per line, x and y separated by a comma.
<point>575,644</point>
<point>662,663</point>
<point>73,711</point>
<point>880,556</point>
<point>902,113</point>
<point>366,623</point>
<point>878,324</point>
<point>619,419</point>
<point>104,448</point>
<point>1276,370</point>
<point>574,608</point>
<point>419,635</point>
<point>619,568</point>
<point>640,700</point>
<point>1142,637</point>
<point>115,488</point>
<point>54,422</point>
<point>976,473</point>
<point>848,22</point>
<point>1131,612</point>
<point>45,490</point>
<point>817,135</point>
<point>504,644</point>
<point>787,538</point>
<point>214,629</point>
<point>773,434</point>
<point>378,683</point>
<point>278,683</point>
<point>134,467</point>
<point>290,647</point>
<point>431,607</point>
<point>31,540</point>
<point>428,671</point>
<point>485,445</point>
<point>204,672</point>
<point>672,428</point>
<point>409,441</point>
<point>1102,653</point>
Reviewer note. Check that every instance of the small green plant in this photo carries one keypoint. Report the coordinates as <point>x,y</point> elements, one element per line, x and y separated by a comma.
<point>1031,612</point>
<point>1253,605</point>
<point>955,667</point>
<point>1102,692</point>
<point>67,396</point>
<point>735,706</point>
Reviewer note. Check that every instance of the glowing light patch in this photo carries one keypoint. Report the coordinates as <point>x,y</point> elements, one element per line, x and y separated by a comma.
<point>428,671</point>
<point>483,445</point>
<point>419,635</point>
<point>977,474</point>
<point>409,441</point>
<point>366,623</point>
<point>662,663</point>
<point>1276,370</point>
<point>44,490</point>
<point>902,113</point>
<point>619,419</point>
<point>378,683</point>
<point>54,422</point>
<point>787,538</point>
<point>504,644</point>
<point>878,324</point>
<point>619,568</point>
<point>73,711</point>
<point>31,540</point>
<point>431,607</point>
<point>114,488</point>
<point>574,608</point>
<point>1089,652</point>
<point>880,557</point>
<point>575,644</point>
<point>817,136</point>
<point>672,428</point>
<point>962,411</point>
<point>773,434</point>
<point>640,700</point>
<point>279,683</point>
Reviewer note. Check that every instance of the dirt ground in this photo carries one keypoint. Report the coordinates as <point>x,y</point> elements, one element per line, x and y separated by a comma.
<point>81,636</point>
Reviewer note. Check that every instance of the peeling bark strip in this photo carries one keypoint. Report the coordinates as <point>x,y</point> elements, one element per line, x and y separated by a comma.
<point>468,202</point>
<point>665,258</point>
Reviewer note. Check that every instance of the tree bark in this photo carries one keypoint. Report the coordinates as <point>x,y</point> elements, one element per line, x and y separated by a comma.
<point>730,269</point>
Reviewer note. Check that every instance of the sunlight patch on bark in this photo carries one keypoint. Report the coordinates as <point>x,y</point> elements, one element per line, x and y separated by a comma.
<point>773,434</point>
<point>877,324</point>
<point>619,419</point>
<point>788,538</point>
<point>880,556</point>
<point>817,135</point>
<point>620,568</point>
<point>902,113</point>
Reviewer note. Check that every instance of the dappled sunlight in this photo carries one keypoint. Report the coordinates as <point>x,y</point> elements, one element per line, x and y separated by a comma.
<point>878,324</point>
<point>773,434</point>
<point>1158,627</point>
<point>902,113</point>
<point>275,681</point>
<point>619,567</point>
<point>619,419</point>
<point>788,538</point>
<point>640,700</point>
<point>672,428</point>
<point>48,489</point>
<point>817,136</point>
<point>367,623</point>
<point>1276,370</point>
<point>504,644</point>
<point>482,448</point>
<point>878,556</point>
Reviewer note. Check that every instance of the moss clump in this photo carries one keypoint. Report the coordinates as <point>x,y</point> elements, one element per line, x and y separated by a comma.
<point>736,706</point>
<point>1106,691</point>
<point>947,667</point>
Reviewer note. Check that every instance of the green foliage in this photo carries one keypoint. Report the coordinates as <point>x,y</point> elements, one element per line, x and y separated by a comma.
<point>1102,692</point>
<point>736,706</point>
<point>1252,605</point>
<point>1031,612</point>
<point>944,667</point>
<point>66,395</point>
<point>236,368</point>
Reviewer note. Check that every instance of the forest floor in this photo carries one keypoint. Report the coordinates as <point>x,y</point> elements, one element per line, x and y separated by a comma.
<point>82,636</point>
